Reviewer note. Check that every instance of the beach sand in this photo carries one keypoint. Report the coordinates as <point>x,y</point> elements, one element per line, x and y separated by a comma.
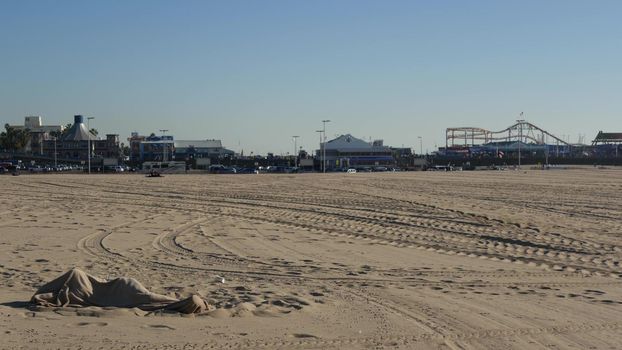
<point>459,260</point>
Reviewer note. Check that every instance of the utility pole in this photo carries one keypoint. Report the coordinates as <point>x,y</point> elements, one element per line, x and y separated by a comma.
<point>546,149</point>
<point>520,135</point>
<point>320,132</point>
<point>295,148</point>
<point>163,145</point>
<point>324,148</point>
<point>55,162</point>
<point>88,126</point>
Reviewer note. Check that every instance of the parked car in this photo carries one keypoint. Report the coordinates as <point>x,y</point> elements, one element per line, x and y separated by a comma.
<point>221,169</point>
<point>247,171</point>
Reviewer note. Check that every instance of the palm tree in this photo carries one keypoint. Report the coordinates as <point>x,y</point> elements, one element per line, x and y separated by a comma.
<point>14,139</point>
<point>5,143</point>
<point>22,136</point>
<point>65,130</point>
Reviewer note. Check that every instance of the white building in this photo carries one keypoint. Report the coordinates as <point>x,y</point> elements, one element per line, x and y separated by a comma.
<point>38,132</point>
<point>349,151</point>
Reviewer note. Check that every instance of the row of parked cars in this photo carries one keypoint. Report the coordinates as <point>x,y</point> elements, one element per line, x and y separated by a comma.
<point>6,167</point>
<point>47,168</point>
<point>119,169</point>
<point>214,169</point>
<point>367,169</point>
<point>221,169</point>
<point>39,168</point>
<point>275,169</point>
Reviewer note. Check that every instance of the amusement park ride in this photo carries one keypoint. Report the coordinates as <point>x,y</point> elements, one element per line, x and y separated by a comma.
<point>522,131</point>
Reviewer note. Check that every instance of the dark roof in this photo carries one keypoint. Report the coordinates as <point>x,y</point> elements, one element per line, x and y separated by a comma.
<point>78,132</point>
<point>608,136</point>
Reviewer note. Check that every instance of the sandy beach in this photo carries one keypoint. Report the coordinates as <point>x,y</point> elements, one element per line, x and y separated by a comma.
<point>458,260</point>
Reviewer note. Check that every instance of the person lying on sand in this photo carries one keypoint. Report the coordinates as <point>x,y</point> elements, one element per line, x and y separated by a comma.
<point>76,288</point>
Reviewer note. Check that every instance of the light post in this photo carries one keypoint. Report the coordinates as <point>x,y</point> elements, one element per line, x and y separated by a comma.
<point>320,132</point>
<point>324,148</point>
<point>295,148</point>
<point>55,162</point>
<point>520,135</point>
<point>420,144</point>
<point>88,126</point>
<point>546,155</point>
<point>163,145</point>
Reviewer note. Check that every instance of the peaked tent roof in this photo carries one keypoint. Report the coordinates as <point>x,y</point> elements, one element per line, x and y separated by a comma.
<point>78,132</point>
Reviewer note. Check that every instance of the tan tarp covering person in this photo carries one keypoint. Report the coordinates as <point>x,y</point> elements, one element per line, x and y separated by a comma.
<point>77,288</point>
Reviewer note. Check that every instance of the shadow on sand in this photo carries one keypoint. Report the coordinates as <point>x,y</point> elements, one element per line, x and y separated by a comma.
<point>18,304</point>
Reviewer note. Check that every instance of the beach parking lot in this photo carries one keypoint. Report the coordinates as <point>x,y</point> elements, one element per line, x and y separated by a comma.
<point>456,260</point>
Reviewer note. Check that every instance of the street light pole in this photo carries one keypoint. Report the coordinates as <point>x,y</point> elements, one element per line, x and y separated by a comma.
<point>88,126</point>
<point>295,148</point>
<point>163,145</point>
<point>324,148</point>
<point>520,136</point>
<point>320,132</point>
<point>55,162</point>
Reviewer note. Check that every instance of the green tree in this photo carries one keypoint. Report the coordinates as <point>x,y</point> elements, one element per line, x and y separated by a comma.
<point>56,134</point>
<point>4,138</point>
<point>65,130</point>
<point>14,139</point>
<point>125,150</point>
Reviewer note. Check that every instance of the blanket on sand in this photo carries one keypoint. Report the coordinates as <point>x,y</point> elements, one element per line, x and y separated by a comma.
<point>78,288</point>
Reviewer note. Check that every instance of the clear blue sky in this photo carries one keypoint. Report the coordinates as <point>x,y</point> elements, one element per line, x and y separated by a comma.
<point>253,73</point>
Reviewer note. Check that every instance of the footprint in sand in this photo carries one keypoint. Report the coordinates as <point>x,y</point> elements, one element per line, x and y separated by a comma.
<point>594,292</point>
<point>88,324</point>
<point>303,335</point>
<point>158,327</point>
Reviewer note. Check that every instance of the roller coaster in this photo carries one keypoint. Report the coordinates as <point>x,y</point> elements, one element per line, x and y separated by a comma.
<point>522,131</point>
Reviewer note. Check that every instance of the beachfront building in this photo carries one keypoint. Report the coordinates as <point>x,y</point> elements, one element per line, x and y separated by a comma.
<point>157,149</point>
<point>195,149</point>
<point>348,151</point>
<point>608,144</point>
<point>74,144</point>
<point>38,133</point>
<point>134,146</point>
<point>151,148</point>
<point>165,148</point>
